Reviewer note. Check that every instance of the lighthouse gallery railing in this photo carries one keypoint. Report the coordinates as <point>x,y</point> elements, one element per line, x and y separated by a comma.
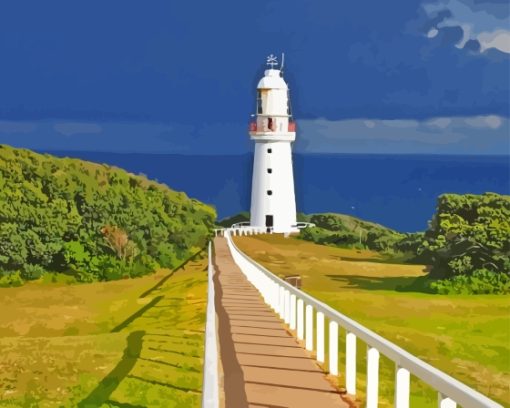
<point>292,304</point>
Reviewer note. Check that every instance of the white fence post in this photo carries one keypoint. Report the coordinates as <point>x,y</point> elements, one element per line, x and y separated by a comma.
<point>402,387</point>
<point>281,309</point>
<point>444,402</point>
<point>287,307</point>
<point>309,327</point>
<point>293,312</point>
<point>320,337</point>
<point>300,319</point>
<point>276,303</point>
<point>350,363</point>
<point>372,377</point>
<point>333,348</point>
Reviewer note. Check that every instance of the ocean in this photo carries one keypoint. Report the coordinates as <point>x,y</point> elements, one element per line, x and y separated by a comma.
<point>398,191</point>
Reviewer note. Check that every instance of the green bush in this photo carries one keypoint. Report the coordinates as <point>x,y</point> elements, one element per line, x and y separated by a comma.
<point>11,279</point>
<point>469,233</point>
<point>482,281</point>
<point>32,272</point>
<point>55,277</point>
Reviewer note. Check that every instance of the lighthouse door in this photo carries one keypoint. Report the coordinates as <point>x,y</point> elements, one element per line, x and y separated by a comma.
<point>269,222</point>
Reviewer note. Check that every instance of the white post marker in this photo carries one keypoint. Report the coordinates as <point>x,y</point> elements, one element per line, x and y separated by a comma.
<point>320,337</point>
<point>444,402</point>
<point>276,301</point>
<point>350,363</point>
<point>372,377</point>
<point>293,312</point>
<point>281,309</point>
<point>287,307</point>
<point>300,319</point>
<point>402,387</point>
<point>309,327</point>
<point>333,348</point>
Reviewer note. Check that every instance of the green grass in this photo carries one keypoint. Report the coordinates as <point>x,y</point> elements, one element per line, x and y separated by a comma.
<point>466,336</point>
<point>130,343</point>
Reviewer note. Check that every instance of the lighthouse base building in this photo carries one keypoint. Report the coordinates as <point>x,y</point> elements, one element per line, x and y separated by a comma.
<point>273,203</point>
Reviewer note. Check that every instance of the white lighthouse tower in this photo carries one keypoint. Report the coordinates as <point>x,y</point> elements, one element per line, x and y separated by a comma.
<point>273,203</point>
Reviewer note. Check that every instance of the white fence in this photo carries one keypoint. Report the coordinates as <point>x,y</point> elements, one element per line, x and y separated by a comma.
<point>242,230</point>
<point>210,393</point>
<point>298,310</point>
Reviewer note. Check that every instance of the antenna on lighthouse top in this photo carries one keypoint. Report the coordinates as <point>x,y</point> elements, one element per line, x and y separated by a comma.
<point>283,61</point>
<point>272,61</point>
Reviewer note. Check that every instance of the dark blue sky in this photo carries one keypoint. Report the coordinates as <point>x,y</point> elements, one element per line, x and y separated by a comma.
<point>366,76</point>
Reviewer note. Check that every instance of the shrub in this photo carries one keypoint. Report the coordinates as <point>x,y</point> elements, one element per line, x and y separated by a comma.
<point>11,279</point>
<point>469,233</point>
<point>32,272</point>
<point>55,277</point>
<point>482,281</point>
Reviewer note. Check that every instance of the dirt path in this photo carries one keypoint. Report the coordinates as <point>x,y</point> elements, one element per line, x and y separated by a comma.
<point>263,364</point>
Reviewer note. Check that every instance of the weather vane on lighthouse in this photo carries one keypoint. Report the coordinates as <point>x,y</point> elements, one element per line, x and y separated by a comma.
<point>272,60</point>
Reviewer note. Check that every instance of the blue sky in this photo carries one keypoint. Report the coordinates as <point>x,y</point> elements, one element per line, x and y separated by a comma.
<point>405,76</point>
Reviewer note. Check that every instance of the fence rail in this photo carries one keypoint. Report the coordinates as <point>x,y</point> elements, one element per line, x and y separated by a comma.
<point>297,308</point>
<point>210,392</point>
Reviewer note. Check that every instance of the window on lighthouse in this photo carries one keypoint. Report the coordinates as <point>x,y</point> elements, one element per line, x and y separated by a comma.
<point>259,102</point>
<point>269,192</point>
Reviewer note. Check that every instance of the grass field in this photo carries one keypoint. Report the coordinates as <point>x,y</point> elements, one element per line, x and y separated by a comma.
<point>467,337</point>
<point>130,343</point>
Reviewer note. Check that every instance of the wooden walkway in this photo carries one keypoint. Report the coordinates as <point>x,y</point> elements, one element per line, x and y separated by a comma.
<point>263,365</point>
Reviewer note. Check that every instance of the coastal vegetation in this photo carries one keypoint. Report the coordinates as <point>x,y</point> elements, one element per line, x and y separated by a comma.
<point>68,220</point>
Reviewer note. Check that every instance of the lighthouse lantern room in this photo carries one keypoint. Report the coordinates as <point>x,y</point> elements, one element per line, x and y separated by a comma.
<point>273,203</point>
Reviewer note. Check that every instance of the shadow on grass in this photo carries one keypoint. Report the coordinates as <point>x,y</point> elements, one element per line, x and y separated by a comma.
<point>109,384</point>
<point>165,278</point>
<point>400,284</point>
<point>115,404</point>
<point>137,314</point>
<point>404,259</point>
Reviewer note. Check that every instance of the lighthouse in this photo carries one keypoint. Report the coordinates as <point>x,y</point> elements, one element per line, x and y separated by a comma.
<point>273,203</point>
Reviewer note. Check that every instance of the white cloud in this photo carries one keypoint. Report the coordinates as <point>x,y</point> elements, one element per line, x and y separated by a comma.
<point>432,33</point>
<point>476,23</point>
<point>74,128</point>
<point>494,121</point>
<point>400,123</point>
<point>441,135</point>
<point>16,127</point>
<point>488,121</point>
<point>499,39</point>
<point>441,123</point>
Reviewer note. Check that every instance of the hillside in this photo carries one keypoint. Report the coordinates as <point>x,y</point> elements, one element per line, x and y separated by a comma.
<point>90,221</point>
